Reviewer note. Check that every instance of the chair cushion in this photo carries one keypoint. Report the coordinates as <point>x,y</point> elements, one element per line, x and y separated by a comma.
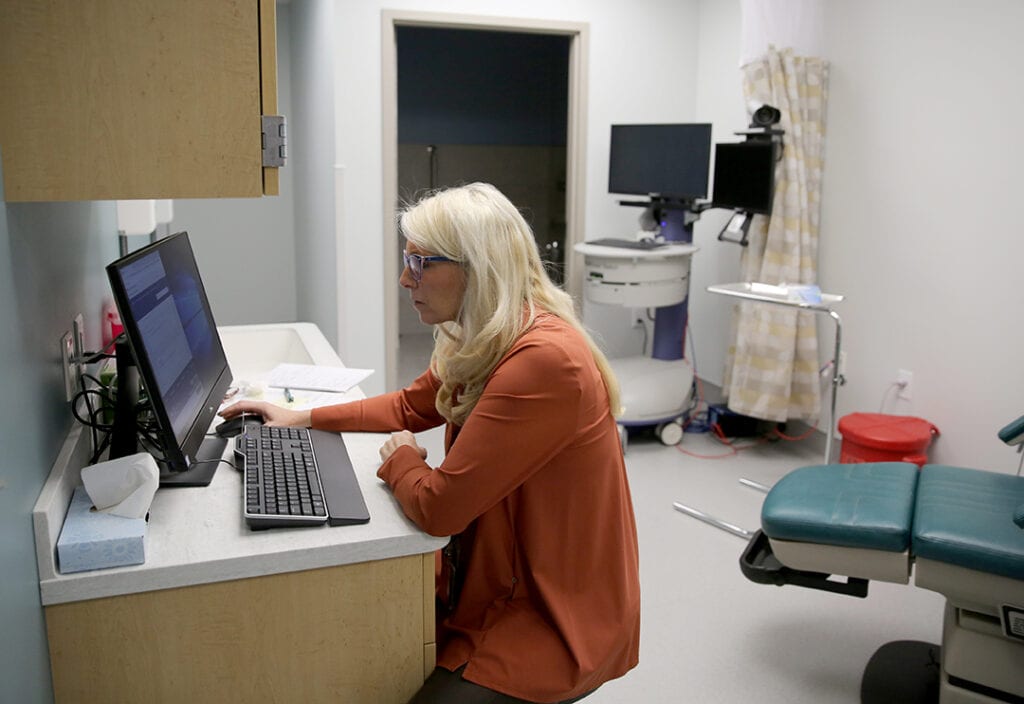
<point>867,505</point>
<point>966,517</point>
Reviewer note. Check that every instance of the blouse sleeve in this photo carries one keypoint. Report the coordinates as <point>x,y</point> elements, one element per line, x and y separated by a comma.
<point>412,409</point>
<point>527,413</point>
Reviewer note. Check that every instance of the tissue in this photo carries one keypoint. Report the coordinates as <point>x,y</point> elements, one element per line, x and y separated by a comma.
<point>123,487</point>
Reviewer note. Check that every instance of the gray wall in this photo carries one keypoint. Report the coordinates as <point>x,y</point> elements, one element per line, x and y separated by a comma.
<point>485,106</point>
<point>533,177</point>
<point>245,247</point>
<point>268,260</point>
<point>459,86</point>
<point>52,259</point>
<point>317,251</point>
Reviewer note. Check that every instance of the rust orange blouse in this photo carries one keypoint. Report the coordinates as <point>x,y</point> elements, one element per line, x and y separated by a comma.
<point>534,486</point>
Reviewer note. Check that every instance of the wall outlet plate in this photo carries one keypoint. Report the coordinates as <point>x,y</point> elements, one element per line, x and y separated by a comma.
<point>78,332</point>
<point>69,365</point>
<point>905,380</point>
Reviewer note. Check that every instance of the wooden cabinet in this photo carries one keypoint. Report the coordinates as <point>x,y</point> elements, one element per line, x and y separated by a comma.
<point>104,99</point>
<point>358,634</point>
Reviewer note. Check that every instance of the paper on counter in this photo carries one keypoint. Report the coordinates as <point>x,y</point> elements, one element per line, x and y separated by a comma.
<point>313,377</point>
<point>304,400</point>
<point>301,400</point>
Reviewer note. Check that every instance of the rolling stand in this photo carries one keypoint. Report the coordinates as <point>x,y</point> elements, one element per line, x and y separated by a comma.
<point>762,293</point>
<point>656,389</point>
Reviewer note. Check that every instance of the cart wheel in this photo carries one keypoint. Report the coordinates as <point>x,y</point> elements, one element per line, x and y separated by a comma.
<point>670,433</point>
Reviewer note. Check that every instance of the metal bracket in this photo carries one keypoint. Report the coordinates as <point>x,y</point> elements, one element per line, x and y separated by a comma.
<point>275,142</point>
<point>737,225</point>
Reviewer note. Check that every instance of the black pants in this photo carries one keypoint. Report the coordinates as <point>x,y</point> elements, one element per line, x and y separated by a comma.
<point>444,687</point>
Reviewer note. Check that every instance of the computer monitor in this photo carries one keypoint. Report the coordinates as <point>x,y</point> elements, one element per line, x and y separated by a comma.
<point>745,176</point>
<point>173,341</point>
<point>668,162</point>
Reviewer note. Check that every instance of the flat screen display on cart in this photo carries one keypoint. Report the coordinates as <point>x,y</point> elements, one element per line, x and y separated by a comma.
<point>664,160</point>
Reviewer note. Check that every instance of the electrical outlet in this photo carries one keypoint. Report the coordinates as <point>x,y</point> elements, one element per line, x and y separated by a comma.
<point>904,380</point>
<point>69,365</point>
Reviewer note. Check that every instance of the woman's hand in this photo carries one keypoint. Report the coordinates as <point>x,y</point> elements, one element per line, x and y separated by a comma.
<point>272,415</point>
<point>397,440</point>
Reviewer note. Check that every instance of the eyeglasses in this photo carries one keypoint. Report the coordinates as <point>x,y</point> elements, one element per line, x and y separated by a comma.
<point>415,263</point>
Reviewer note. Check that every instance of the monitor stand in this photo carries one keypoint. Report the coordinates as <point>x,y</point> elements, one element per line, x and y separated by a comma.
<point>202,470</point>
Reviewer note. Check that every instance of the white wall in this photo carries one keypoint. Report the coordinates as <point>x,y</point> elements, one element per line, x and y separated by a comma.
<point>276,259</point>
<point>317,251</point>
<point>918,228</point>
<point>245,247</point>
<point>720,102</point>
<point>922,176</point>
<point>626,41</point>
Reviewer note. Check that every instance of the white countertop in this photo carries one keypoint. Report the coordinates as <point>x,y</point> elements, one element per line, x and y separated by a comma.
<point>196,535</point>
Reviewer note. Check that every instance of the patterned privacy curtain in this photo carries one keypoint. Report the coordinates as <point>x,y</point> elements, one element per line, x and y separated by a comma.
<point>772,364</point>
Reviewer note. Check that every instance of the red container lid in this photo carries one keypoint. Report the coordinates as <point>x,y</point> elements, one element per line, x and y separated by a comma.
<point>886,432</point>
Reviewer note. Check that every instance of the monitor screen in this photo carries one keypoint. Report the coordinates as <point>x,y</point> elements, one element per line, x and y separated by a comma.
<point>745,176</point>
<point>176,347</point>
<point>668,161</point>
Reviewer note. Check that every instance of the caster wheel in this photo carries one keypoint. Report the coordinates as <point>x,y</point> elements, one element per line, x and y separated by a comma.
<point>670,433</point>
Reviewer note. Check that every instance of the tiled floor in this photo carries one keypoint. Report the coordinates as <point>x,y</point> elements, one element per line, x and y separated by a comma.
<point>710,635</point>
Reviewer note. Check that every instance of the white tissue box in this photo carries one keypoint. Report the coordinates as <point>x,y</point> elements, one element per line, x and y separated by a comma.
<point>91,540</point>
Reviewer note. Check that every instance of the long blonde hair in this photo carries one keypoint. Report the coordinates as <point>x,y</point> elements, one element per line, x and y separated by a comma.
<point>506,288</point>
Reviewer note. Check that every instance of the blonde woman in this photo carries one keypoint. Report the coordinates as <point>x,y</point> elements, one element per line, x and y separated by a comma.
<point>538,590</point>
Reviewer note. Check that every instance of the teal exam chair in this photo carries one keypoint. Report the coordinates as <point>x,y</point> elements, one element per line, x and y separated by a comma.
<point>956,531</point>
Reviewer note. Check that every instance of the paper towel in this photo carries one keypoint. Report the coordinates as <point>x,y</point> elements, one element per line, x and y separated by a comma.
<point>123,487</point>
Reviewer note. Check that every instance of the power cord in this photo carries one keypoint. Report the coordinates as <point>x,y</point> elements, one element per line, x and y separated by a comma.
<point>94,418</point>
<point>97,415</point>
<point>734,449</point>
<point>899,384</point>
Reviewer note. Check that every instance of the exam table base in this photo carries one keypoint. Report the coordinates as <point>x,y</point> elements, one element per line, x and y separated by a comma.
<point>907,672</point>
<point>902,672</point>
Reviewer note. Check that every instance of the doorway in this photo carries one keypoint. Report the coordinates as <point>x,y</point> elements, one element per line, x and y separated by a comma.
<point>480,99</point>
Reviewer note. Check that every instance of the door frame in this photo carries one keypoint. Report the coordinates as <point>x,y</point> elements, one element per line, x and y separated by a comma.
<point>575,147</point>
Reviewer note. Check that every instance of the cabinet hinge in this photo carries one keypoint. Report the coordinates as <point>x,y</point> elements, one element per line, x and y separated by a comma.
<point>275,142</point>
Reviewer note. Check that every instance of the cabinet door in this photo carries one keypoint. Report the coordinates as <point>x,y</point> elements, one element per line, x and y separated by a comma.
<point>104,100</point>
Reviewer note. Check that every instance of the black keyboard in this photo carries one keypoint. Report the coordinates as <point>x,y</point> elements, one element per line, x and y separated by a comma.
<point>297,477</point>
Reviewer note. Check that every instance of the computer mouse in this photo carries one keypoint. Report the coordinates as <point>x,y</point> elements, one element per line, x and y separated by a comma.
<point>235,426</point>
